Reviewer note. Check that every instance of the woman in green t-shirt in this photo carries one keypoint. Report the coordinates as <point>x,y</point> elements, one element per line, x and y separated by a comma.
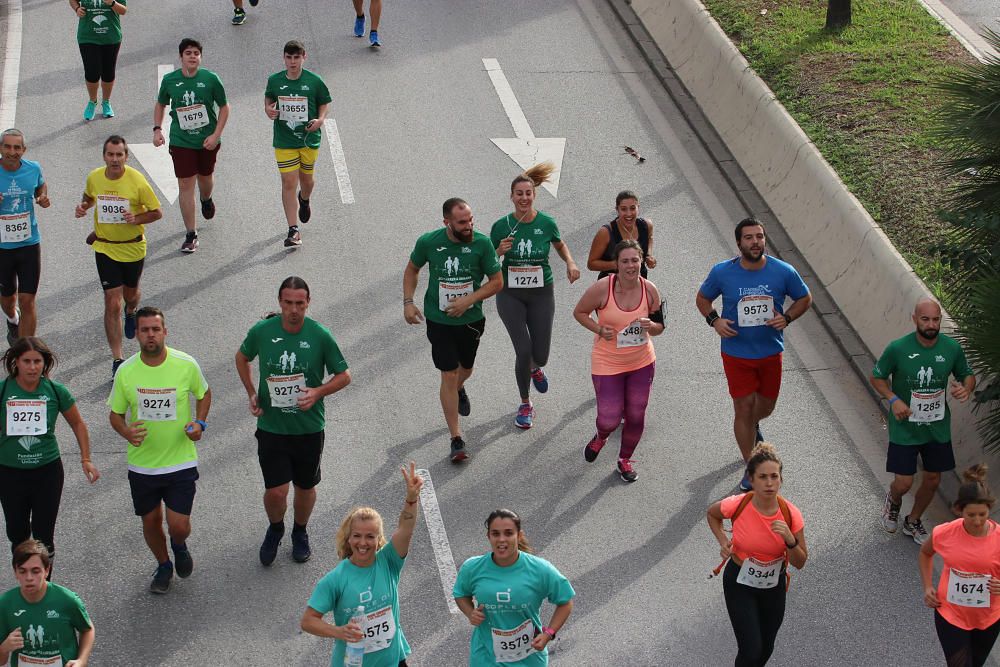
<point>99,35</point>
<point>31,471</point>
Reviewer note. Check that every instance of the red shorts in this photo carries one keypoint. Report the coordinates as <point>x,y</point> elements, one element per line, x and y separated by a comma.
<point>190,162</point>
<point>748,376</point>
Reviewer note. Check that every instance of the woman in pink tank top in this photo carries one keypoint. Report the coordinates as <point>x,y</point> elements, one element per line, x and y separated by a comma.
<point>623,361</point>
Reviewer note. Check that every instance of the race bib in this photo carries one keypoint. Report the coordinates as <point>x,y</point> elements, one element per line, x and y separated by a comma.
<point>293,109</point>
<point>284,390</point>
<point>111,210</point>
<point>525,276</point>
<point>632,336</point>
<point>754,310</point>
<point>192,117</point>
<point>15,227</point>
<point>448,292</point>
<point>28,661</point>
<point>757,574</point>
<point>157,405</point>
<point>927,406</point>
<point>380,628</point>
<point>968,589</point>
<point>27,416</point>
<point>513,645</point>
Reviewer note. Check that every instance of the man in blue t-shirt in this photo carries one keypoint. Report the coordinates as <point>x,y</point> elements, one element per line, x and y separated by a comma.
<point>21,187</point>
<point>753,286</point>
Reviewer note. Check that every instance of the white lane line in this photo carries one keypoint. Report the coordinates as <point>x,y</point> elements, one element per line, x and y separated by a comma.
<point>439,538</point>
<point>340,166</point>
<point>507,98</point>
<point>11,65</point>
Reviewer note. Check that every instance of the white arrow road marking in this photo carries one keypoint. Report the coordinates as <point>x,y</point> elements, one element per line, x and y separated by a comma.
<point>526,149</point>
<point>439,539</point>
<point>339,162</point>
<point>156,161</point>
<point>11,65</point>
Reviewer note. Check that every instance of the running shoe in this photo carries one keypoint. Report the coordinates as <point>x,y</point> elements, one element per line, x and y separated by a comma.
<point>183,561</point>
<point>373,38</point>
<point>89,111</point>
<point>464,407</point>
<point>540,380</point>
<point>269,547</point>
<point>114,366</point>
<point>207,208</point>
<point>458,453</point>
<point>915,529</point>
<point>759,435</point>
<point>12,334</point>
<point>161,578</point>
<point>294,238</point>
<point>300,546</point>
<point>106,109</point>
<point>525,415</point>
<point>890,514</point>
<point>129,325</point>
<point>253,3</point>
<point>190,243</point>
<point>593,448</point>
<point>304,211</point>
<point>239,17</point>
<point>626,471</point>
<point>359,26</point>
<point>745,486</point>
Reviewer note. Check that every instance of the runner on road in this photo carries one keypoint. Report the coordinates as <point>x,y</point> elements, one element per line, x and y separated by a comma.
<point>767,535</point>
<point>367,576</point>
<point>527,304</point>
<point>375,8</point>
<point>42,623</point>
<point>912,375</point>
<point>966,616</point>
<point>153,389</point>
<point>99,36</point>
<point>509,584</point>
<point>21,187</point>
<point>458,258</point>
<point>628,225</point>
<point>753,286</point>
<point>623,361</point>
<point>199,111</point>
<point>239,14</point>
<point>296,353</point>
<point>123,202</point>
<point>297,101</point>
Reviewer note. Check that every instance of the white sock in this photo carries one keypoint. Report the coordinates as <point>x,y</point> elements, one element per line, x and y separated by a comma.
<point>14,320</point>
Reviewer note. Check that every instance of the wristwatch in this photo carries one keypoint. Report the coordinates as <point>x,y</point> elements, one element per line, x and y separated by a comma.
<point>549,631</point>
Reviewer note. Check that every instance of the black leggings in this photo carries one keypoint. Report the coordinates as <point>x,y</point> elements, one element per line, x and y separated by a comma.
<point>756,615</point>
<point>99,61</point>
<point>30,500</point>
<point>527,314</point>
<point>965,648</point>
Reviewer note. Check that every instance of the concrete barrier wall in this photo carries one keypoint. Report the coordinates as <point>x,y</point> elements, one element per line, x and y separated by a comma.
<point>872,285</point>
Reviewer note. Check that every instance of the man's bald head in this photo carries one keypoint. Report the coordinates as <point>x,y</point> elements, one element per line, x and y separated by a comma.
<point>927,318</point>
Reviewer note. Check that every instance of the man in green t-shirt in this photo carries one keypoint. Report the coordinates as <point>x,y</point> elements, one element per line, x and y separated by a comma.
<point>296,355</point>
<point>199,111</point>
<point>458,258</point>
<point>297,101</point>
<point>42,623</point>
<point>154,388</point>
<point>913,376</point>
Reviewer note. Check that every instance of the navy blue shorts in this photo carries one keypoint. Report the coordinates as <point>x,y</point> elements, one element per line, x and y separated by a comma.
<point>936,456</point>
<point>174,489</point>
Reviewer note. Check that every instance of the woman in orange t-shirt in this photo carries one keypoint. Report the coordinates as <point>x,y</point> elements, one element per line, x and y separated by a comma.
<point>965,615</point>
<point>762,546</point>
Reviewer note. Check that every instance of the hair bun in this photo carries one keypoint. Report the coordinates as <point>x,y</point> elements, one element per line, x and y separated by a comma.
<point>763,448</point>
<point>976,473</point>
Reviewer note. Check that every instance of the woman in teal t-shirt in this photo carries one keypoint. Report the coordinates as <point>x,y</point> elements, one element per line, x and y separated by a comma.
<point>31,471</point>
<point>501,593</point>
<point>99,35</point>
<point>367,576</point>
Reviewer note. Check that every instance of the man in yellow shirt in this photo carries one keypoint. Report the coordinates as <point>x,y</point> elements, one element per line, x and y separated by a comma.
<point>123,202</point>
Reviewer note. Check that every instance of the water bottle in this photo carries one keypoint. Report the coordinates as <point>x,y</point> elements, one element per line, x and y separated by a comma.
<point>355,654</point>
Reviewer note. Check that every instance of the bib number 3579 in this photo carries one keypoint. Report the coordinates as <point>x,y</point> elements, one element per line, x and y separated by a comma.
<point>515,644</point>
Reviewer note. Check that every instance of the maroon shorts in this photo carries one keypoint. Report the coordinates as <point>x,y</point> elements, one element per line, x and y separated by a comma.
<point>190,162</point>
<point>748,376</point>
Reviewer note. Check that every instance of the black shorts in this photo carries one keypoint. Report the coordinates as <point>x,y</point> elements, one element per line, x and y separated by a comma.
<point>20,269</point>
<point>454,345</point>
<point>99,61</point>
<point>174,489</point>
<point>936,456</point>
<point>115,274</point>
<point>290,458</point>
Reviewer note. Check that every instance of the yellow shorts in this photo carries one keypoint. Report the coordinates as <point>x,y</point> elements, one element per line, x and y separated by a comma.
<point>293,159</point>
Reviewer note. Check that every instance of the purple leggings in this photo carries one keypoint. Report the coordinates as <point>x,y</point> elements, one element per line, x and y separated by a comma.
<point>623,395</point>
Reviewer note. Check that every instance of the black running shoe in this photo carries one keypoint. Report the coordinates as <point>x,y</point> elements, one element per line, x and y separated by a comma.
<point>304,211</point>
<point>300,546</point>
<point>760,436</point>
<point>183,562</point>
<point>207,208</point>
<point>464,407</point>
<point>12,334</point>
<point>293,239</point>
<point>458,453</point>
<point>161,578</point>
<point>269,547</point>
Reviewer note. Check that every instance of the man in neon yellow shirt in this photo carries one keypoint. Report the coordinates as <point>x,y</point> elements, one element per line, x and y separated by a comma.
<point>154,387</point>
<point>123,202</point>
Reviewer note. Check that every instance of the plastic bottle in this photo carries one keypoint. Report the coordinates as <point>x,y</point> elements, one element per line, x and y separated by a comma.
<point>355,654</point>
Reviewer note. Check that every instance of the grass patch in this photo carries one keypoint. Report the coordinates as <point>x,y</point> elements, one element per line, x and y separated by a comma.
<point>865,96</point>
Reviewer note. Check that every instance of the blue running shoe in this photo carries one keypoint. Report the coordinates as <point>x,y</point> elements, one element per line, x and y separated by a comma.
<point>373,38</point>
<point>359,26</point>
<point>89,111</point>
<point>745,484</point>
<point>525,415</point>
<point>540,380</point>
<point>130,325</point>
<point>106,109</point>
<point>239,17</point>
